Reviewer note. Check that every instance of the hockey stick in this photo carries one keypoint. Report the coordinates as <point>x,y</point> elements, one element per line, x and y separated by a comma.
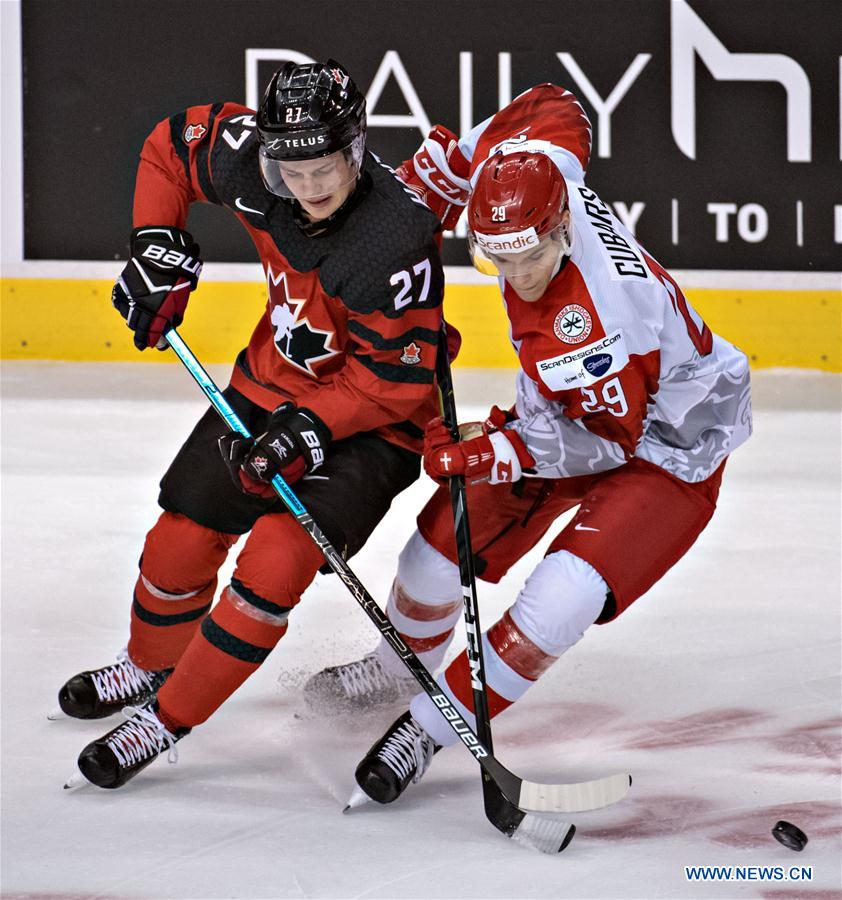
<point>620,783</point>
<point>464,553</point>
<point>517,799</point>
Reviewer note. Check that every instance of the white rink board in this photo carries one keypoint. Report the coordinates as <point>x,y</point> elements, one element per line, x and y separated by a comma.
<point>719,691</point>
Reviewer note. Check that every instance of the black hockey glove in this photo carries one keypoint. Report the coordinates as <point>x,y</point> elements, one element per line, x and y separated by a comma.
<point>153,289</point>
<point>293,444</point>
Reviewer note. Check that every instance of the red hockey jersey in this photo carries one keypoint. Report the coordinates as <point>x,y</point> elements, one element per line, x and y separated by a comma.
<point>352,317</point>
<point>615,362</point>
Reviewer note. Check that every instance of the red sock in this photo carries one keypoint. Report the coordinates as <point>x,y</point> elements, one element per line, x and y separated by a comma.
<point>175,588</point>
<point>229,647</point>
<point>277,564</point>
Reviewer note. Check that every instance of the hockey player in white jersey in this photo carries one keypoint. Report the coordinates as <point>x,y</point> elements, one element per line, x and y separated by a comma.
<point>627,407</point>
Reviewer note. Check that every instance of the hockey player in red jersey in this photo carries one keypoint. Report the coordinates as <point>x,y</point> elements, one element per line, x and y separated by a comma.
<point>627,408</point>
<point>337,381</point>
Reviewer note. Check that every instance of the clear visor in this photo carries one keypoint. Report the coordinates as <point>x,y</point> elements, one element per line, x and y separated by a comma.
<point>520,266</point>
<point>312,179</point>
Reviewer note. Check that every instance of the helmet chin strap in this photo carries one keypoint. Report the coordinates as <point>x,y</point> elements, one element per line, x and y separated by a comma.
<point>564,247</point>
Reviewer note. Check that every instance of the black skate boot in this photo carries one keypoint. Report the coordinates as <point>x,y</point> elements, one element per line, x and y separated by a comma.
<point>119,755</point>
<point>399,758</point>
<point>103,692</point>
<point>360,685</point>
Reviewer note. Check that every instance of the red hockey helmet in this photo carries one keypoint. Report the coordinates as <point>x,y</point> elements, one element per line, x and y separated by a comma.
<point>517,192</point>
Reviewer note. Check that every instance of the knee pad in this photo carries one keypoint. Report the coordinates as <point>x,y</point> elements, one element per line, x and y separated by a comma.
<point>278,561</point>
<point>562,597</point>
<point>427,576</point>
<point>181,557</point>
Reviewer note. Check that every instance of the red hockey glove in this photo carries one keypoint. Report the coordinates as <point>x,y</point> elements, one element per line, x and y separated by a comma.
<point>293,444</point>
<point>438,174</point>
<point>153,289</point>
<point>498,418</point>
<point>495,456</point>
<point>454,341</point>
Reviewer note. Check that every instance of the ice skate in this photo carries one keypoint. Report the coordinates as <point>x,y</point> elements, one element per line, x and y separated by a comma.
<point>103,692</point>
<point>119,755</point>
<point>363,684</point>
<point>398,759</point>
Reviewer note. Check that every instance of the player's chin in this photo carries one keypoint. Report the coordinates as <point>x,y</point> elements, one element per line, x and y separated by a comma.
<point>530,294</point>
<point>321,207</point>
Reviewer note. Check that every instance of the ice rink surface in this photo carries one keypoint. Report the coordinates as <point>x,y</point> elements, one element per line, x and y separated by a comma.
<point>719,690</point>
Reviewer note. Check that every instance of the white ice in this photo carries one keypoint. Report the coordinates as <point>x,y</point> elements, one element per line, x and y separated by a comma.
<point>719,690</point>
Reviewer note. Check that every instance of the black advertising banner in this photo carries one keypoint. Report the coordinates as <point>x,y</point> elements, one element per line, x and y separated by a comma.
<point>717,131</point>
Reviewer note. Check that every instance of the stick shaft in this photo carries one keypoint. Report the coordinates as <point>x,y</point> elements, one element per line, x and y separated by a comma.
<point>464,553</point>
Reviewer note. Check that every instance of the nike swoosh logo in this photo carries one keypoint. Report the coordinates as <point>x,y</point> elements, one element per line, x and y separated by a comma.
<point>240,205</point>
<point>580,527</point>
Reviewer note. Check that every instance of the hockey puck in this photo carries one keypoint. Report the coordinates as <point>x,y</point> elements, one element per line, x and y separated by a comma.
<point>789,835</point>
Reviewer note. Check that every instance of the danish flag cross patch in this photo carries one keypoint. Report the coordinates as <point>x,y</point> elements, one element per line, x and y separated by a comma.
<point>411,355</point>
<point>194,133</point>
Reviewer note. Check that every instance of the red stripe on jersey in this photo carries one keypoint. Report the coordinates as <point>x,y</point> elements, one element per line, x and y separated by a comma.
<point>614,407</point>
<point>544,113</point>
<point>534,325</point>
<point>517,651</point>
<point>458,677</point>
<point>422,612</point>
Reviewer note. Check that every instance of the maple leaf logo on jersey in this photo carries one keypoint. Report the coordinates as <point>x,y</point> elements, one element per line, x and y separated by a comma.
<point>411,355</point>
<point>300,344</point>
<point>194,133</point>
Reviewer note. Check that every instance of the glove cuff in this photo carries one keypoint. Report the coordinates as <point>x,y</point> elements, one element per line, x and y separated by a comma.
<point>510,456</point>
<point>436,170</point>
<point>176,236</point>
<point>324,433</point>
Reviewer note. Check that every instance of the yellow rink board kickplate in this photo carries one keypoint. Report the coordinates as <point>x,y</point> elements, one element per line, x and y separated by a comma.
<point>61,319</point>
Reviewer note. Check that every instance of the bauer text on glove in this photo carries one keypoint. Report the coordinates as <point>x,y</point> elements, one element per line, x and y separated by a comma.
<point>153,289</point>
<point>294,443</point>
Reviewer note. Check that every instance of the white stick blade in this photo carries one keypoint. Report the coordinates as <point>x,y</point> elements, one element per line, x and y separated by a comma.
<point>570,798</point>
<point>56,714</point>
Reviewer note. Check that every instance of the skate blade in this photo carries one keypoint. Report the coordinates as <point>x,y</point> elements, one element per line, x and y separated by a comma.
<point>57,714</point>
<point>77,780</point>
<point>357,798</point>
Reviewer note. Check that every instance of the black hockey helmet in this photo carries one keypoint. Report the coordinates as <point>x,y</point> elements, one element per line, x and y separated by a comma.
<point>309,111</point>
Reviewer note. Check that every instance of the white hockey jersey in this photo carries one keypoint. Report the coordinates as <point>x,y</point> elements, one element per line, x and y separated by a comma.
<point>615,363</point>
